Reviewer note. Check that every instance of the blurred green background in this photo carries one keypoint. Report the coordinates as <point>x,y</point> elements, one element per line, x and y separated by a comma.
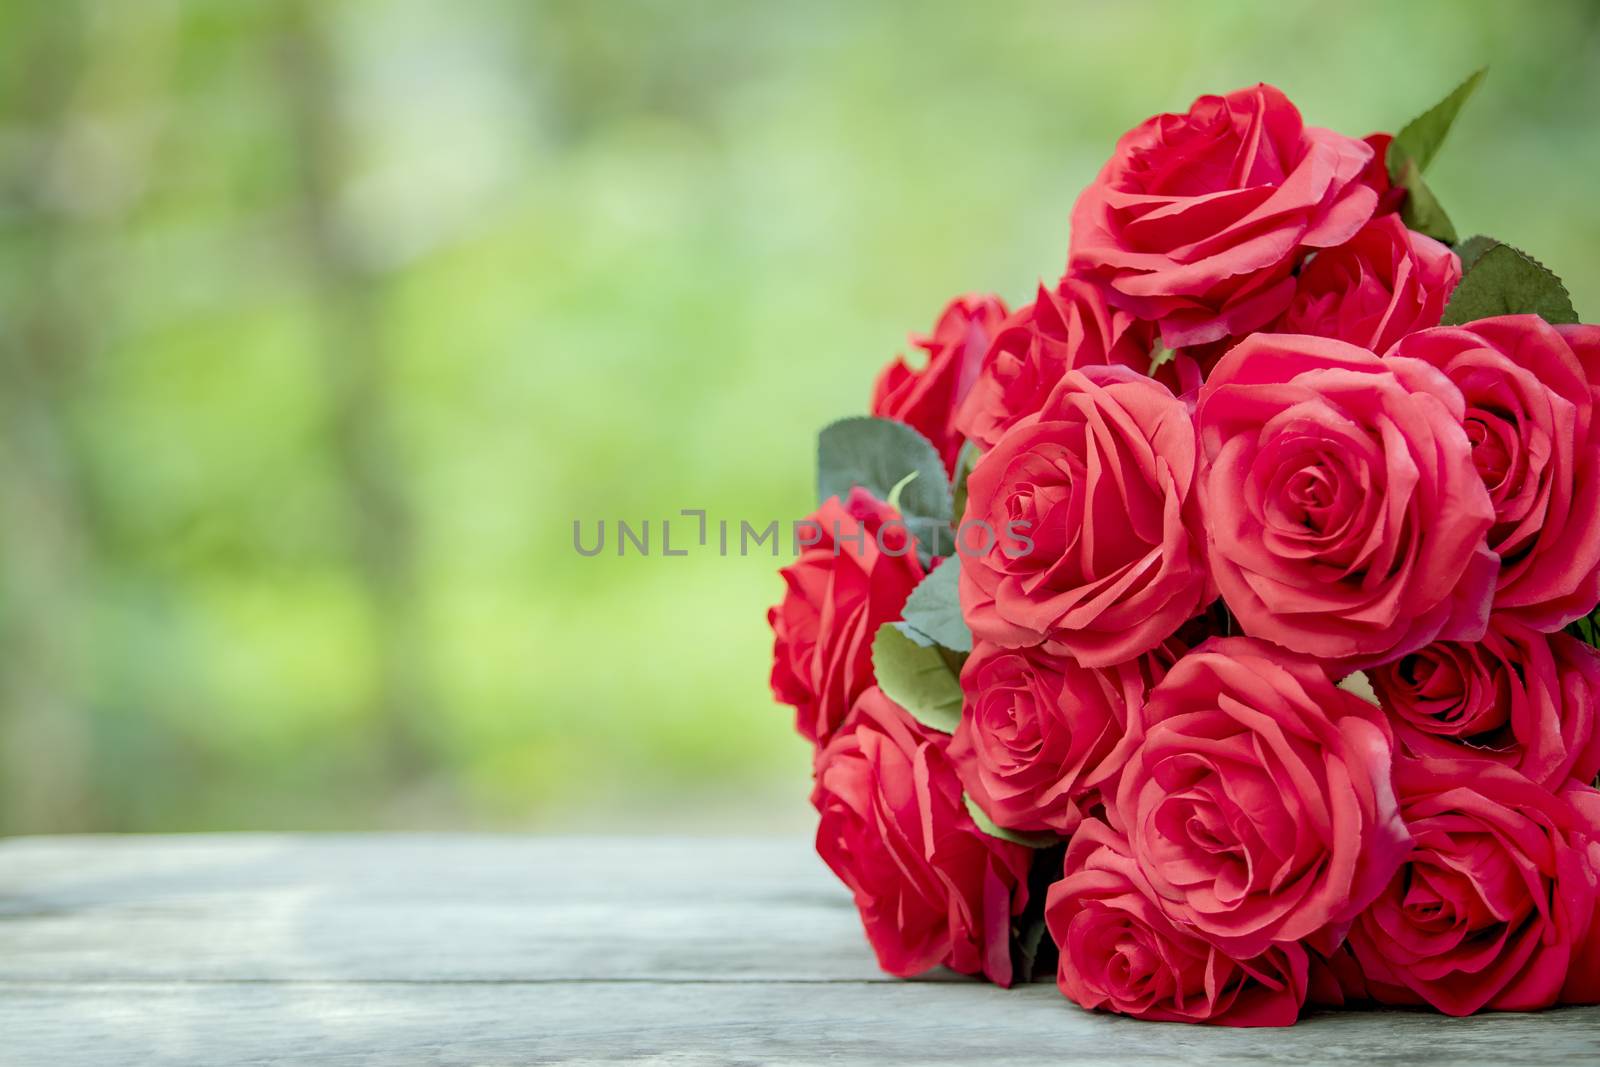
<point>320,323</point>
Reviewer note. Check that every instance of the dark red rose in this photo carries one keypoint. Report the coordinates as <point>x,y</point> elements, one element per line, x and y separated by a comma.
<point>1518,697</point>
<point>1199,220</point>
<point>1119,952</point>
<point>1385,282</point>
<point>1082,528</point>
<point>1493,901</point>
<point>1041,737</point>
<point>1531,391</point>
<point>1065,328</point>
<point>931,887</point>
<point>927,399</point>
<point>841,588</point>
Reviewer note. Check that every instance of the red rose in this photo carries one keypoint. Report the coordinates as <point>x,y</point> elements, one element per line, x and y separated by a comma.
<point>1346,519</point>
<point>931,887</point>
<point>1091,534</point>
<point>1065,328</point>
<point>1492,901</point>
<point>1386,282</point>
<point>1518,697</point>
<point>1258,804</point>
<point>927,399</point>
<point>1199,220</point>
<point>841,588</point>
<point>1530,392</point>
<point>1390,196</point>
<point>1041,737</point>
<point>1583,980</point>
<point>1120,953</point>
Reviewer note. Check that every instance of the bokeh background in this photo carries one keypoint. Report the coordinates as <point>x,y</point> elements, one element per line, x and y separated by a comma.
<point>321,322</point>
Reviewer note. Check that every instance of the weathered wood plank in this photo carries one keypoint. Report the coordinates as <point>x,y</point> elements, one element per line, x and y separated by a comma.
<point>377,907</point>
<point>213,1024</point>
<point>505,950</point>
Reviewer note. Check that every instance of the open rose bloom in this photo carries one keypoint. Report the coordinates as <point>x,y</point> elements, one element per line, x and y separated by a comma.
<point>1253,668</point>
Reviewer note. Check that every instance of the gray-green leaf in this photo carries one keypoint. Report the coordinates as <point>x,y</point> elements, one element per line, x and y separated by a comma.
<point>934,608</point>
<point>966,459</point>
<point>878,455</point>
<point>988,826</point>
<point>1506,281</point>
<point>917,677</point>
<point>1419,140</point>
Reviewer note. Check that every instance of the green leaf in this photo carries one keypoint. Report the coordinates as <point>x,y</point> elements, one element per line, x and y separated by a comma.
<point>1422,211</point>
<point>1472,248</point>
<point>1418,140</point>
<point>1587,629</point>
<point>934,608</point>
<point>1506,281</point>
<point>1028,934</point>
<point>966,459</point>
<point>920,678</point>
<point>1358,683</point>
<point>1160,355</point>
<point>987,825</point>
<point>884,457</point>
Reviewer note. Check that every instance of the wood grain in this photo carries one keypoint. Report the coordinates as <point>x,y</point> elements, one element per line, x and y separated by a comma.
<point>509,950</point>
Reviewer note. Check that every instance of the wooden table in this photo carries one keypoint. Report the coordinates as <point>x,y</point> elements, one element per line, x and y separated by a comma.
<point>511,950</point>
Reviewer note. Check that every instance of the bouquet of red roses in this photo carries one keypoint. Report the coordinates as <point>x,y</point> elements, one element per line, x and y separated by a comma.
<point>1219,627</point>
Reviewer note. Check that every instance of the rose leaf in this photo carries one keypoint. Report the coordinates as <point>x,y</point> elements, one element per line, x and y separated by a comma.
<point>988,826</point>
<point>917,677</point>
<point>1506,281</point>
<point>1418,140</point>
<point>934,608</point>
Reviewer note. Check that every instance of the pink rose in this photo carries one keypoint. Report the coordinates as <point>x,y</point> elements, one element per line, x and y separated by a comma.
<point>927,399</point>
<point>1259,805</point>
<point>1530,392</point>
<point>1119,952</point>
<point>1199,220</point>
<point>1064,328</point>
<point>1092,536</point>
<point>841,588</point>
<point>1583,980</point>
<point>1041,737</point>
<point>930,886</point>
<point>1346,518</point>
<point>1518,697</point>
<point>1386,282</point>
<point>1496,893</point>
